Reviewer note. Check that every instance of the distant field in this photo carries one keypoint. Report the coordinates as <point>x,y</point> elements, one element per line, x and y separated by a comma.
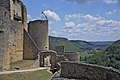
<point>36,75</point>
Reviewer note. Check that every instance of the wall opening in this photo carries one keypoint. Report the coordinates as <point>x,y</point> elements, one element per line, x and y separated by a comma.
<point>1,32</point>
<point>5,14</point>
<point>47,61</point>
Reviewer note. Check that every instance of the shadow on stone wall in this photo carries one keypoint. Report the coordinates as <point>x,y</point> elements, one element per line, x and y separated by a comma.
<point>73,70</point>
<point>30,48</point>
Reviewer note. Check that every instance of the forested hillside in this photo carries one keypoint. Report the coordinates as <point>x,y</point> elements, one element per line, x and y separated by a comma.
<point>109,57</point>
<point>77,45</point>
<point>70,45</point>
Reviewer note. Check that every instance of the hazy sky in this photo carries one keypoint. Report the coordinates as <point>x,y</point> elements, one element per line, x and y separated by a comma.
<point>90,20</point>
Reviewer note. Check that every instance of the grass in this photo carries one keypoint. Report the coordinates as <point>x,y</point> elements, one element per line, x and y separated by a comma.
<point>20,64</point>
<point>36,75</point>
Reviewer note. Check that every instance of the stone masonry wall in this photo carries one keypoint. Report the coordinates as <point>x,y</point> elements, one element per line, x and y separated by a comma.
<point>4,56</point>
<point>59,50</point>
<point>72,70</point>
<point>30,47</point>
<point>16,41</point>
<point>72,56</point>
<point>11,34</point>
<point>5,4</point>
<point>34,65</point>
<point>4,62</point>
<point>15,8</point>
<point>24,16</point>
<point>4,32</point>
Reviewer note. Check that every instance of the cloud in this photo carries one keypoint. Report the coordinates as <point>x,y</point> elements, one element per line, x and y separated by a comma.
<point>67,31</point>
<point>54,33</point>
<point>86,17</point>
<point>89,17</point>
<point>111,1</point>
<point>90,27</point>
<point>91,1</point>
<point>69,16</point>
<point>81,1</point>
<point>52,16</point>
<point>29,17</point>
<point>111,12</point>
<point>108,23</point>
<point>85,20</point>
<point>69,24</point>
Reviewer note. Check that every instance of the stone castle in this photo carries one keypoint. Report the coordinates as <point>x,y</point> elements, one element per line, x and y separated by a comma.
<point>20,40</point>
<point>17,42</point>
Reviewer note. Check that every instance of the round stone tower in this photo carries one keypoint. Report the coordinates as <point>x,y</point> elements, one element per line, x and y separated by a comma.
<point>38,30</point>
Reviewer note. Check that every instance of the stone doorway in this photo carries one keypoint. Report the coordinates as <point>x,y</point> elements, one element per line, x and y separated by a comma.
<point>47,59</point>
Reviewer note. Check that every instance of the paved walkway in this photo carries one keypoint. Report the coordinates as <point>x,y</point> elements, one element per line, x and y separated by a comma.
<point>20,71</point>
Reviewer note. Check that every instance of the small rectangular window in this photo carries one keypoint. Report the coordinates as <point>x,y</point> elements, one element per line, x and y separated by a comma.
<point>1,32</point>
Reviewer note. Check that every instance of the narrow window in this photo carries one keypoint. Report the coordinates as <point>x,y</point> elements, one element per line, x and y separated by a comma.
<point>5,13</point>
<point>13,11</point>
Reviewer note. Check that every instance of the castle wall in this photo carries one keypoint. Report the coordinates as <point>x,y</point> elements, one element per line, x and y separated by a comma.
<point>4,63</point>
<point>5,4</point>
<point>24,17</point>
<point>16,8</point>
<point>11,9</point>
<point>82,71</point>
<point>19,21</point>
<point>14,28</point>
<point>10,6</point>
<point>16,41</point>
<point>34,65</point>
<point>61,58</point>
<point>30,47</point>
<point>38,30</point>
<point>11,32</point>
<point>72,56</point>
<point>59,50</point>
<point>4,32</point>
<point>4,56</point>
